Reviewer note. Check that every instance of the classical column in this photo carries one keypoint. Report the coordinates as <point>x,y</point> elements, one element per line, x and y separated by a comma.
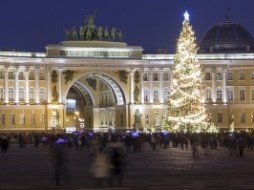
<point>224,86</point>
<point>161,86</point>
<point>48,71</point>
<point>37,95</point>
<point>132,87</point>
<point>27,86</point>
<point>60,71</point>
<point>6,88</point>
<point>16,86</point>
<point>142,87</point>
<point>151,87</point>
<point>213,93</point>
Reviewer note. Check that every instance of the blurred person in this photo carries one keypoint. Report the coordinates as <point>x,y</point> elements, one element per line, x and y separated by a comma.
<point>4,144</point>
<point>59,160</point>
<point>100,167</point>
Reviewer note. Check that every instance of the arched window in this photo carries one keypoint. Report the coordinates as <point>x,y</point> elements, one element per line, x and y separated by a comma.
<point>156,95</point>
<point>1,94</point>
<point>11,94</point>
<point>42,94</point>
<point>31,94</point>
<point>219,94</point>
<point>208,94</point>
<point>21,94</point>
<point>146,95</point>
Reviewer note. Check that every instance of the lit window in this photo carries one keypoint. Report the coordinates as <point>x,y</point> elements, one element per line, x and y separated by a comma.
<point>252,75</point>
<point>22,119</point>
<point>21,76</point>
<point>165,94</point>
<point>252,94</point>
<point>42,94</point>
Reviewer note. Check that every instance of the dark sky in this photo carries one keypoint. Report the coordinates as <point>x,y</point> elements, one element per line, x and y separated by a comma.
<point>29,25</point>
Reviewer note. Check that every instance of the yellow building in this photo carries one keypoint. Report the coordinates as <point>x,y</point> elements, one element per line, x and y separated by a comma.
<point>91,83</point>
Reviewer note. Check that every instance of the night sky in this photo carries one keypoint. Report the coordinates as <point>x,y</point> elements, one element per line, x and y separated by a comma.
<point>29,25</point>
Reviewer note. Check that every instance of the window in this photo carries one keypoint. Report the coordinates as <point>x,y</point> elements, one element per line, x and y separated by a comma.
<point>12,119</point>
<point>220,118</point>
<point>10,75</point>
<point>208,76</point>
<point>156,95</point>
<point>32,119</point>
<point>11,94</point>
<point>22,119</point>
<point>208,94</point>
<point>2,119</point>
<point>252,94</point>
<point>155,77</point>
<point>165,76</point>
<point>31,75</point>
<point>219,94</point>
<point>21,94</point>
<point>252,75</point>
<point>242,118</point>
<point>146,95</point>
<point>230,95</point>
<point>1,94</point>
<point>21,76</point>
<point>218,76</point>
<point>31,94</point>
<point>42,94</point>
<point>145,77</point>
<point>42,76</point>
<point>241,76</point>
<point>230,76</point>
<point>242,95</point>
<point>2,74</point>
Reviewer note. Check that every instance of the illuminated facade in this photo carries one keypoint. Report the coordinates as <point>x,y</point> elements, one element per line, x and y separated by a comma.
<point>102,85</point>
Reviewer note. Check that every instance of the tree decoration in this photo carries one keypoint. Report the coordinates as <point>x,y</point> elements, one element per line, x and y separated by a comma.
<point>186,111</point>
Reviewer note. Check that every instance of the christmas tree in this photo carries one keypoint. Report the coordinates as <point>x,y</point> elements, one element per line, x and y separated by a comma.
<point>186,110</point>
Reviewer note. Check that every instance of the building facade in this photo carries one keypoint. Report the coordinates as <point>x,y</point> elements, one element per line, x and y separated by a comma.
<point>101,85</point>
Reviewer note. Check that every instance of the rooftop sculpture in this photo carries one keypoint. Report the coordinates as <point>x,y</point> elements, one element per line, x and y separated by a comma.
<point>89,31</point>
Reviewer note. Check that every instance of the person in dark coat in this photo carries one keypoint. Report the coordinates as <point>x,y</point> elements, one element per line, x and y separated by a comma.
<point>4,144</point>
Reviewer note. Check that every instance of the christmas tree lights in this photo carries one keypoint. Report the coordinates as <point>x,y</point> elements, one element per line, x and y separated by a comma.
<point>186,110</point>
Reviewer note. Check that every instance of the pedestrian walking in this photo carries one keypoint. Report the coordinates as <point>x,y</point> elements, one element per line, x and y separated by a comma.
<point>4,144</point>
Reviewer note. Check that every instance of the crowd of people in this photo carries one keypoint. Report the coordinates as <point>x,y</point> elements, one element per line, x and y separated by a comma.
<point>107,150</point>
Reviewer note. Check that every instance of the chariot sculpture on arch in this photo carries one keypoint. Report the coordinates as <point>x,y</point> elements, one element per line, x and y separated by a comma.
<point>89,31</point>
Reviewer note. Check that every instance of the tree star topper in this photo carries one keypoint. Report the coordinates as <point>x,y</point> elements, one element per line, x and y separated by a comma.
<point>186,16</point>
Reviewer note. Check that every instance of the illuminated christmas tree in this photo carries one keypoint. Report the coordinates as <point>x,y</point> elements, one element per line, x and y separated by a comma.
<point>186,110</point>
